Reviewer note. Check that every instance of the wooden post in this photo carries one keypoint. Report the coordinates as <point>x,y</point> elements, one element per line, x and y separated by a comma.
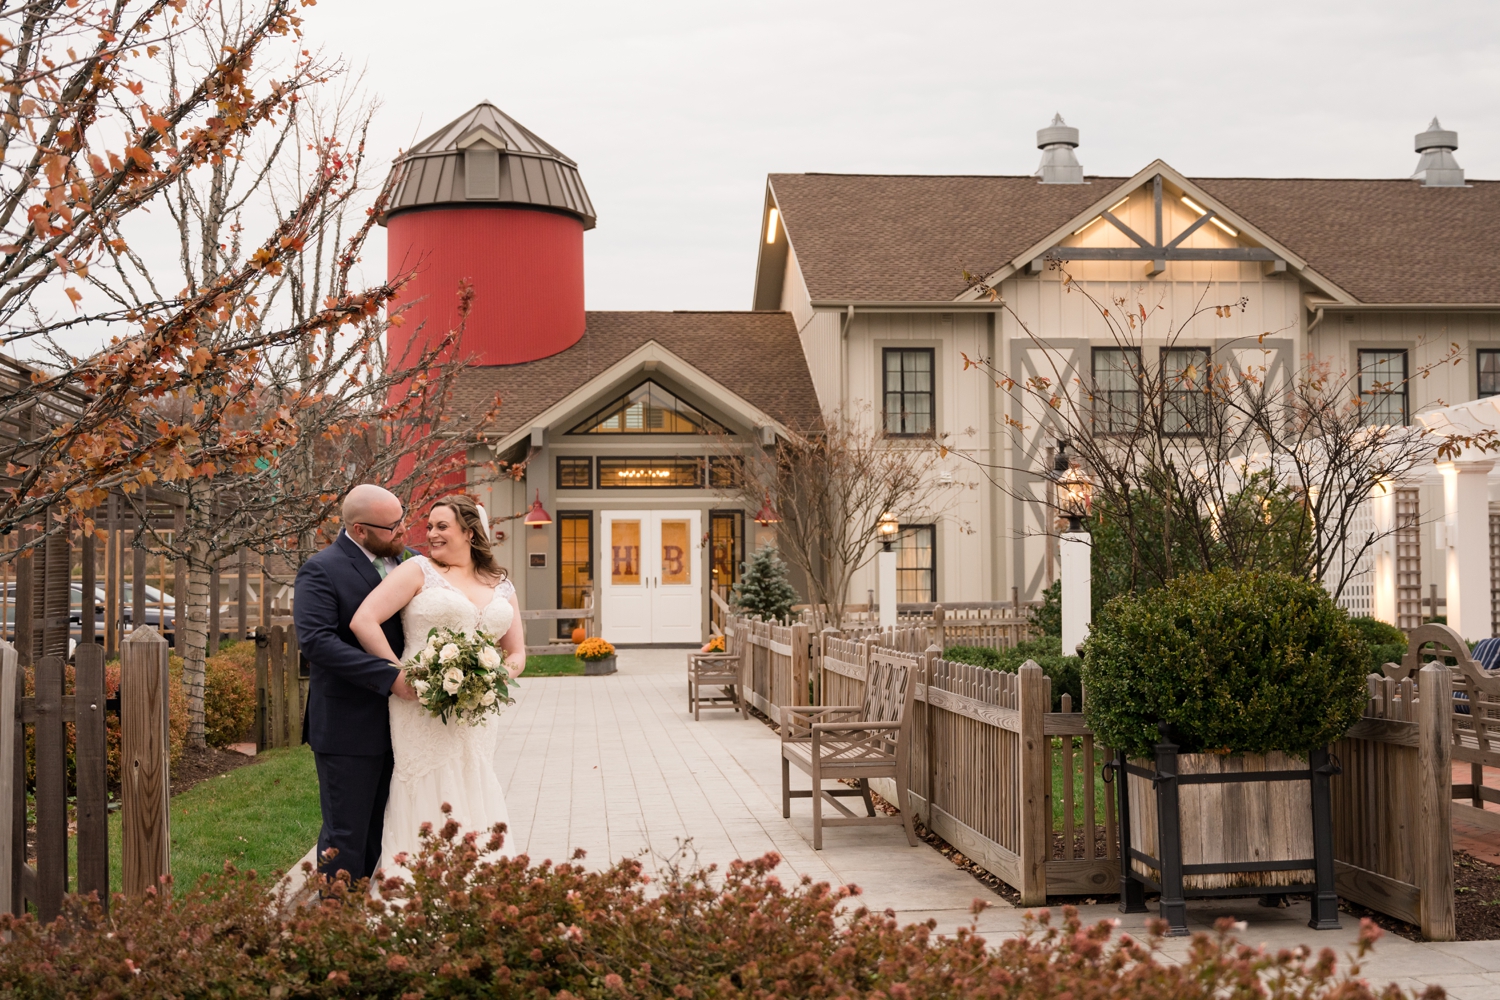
<point>89,759</point>
<point>939,630</point>
<point>262,690</point>
<point>293,689</point>
<point>277,695</point>
<point>242,605</point>
<point>144,749</point>
<point>112,577</point>
<point>51,790</point>
<point>801,675</point>
<point>1435,799</point>
<point>265,596</point>
<point>25,598</point>
<point>12,786</point>
<point>1036,814</point>
<point>138,576</point>
<point>87,586</point>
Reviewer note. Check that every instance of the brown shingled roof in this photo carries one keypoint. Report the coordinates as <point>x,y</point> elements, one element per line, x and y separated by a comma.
<point>864,237</point>
<point>1381,241</point>
<point>756,355</point>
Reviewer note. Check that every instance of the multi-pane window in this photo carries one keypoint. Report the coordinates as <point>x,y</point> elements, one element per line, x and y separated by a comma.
<point>908,391</point>
<point>1489,373</point>
<point>575,563</point>
<point>1185,378</point>
<point>647,473</point>
<point>650,409</point>
<point>726,530</point>
<point>1117,389</point>
<point>575,473</point>
<point>1382,388</point>
<point>916,564</point>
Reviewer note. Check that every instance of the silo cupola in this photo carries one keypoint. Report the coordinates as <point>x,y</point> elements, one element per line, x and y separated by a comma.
<point>1437,167</point>
<point>486,200</point>
<point>1057,142</point>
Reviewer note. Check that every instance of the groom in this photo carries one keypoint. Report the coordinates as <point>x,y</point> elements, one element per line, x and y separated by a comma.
<point>347,722</point>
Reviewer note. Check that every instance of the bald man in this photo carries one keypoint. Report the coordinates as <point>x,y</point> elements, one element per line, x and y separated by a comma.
<point>347,718</point>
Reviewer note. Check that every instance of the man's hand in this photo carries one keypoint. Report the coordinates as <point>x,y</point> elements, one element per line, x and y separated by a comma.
<point>401,689</point>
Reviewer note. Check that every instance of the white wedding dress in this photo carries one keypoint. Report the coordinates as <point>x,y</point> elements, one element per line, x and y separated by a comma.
<point>439,762</point>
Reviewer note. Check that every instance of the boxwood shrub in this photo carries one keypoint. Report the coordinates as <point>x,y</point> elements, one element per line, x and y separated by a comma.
<point>1232,662</point>
<point>1066,672</point>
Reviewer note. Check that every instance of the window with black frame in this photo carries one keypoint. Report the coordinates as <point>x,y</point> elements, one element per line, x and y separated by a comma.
<point>916,564</point>
<point>1117,389</point>
<point>908,391</point>
<point>575,473</point>
<point>575,563</point>
<point>1382,388</point>
<point>1488,363</point>
<point>1185,385</point>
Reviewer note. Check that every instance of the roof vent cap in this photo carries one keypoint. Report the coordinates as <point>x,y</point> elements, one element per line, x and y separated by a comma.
<point>1437,167</point>
<point>1057,142</point>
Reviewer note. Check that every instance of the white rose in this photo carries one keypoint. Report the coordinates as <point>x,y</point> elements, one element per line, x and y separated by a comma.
<point>449,652</point>
<point>487,699</point>
<point>451,685</point>
<point>420,687</point>
<point>431,646</point>
<point>489,658</point>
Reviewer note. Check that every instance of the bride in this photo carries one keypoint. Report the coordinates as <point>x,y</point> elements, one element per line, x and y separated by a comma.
<point>458,585</point>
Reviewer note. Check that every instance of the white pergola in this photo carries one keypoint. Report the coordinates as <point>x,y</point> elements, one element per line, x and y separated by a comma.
<point>1464,532</point>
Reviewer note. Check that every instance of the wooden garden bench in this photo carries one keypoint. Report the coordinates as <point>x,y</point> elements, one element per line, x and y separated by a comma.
<point>870,740</point>
<point>714,670</point>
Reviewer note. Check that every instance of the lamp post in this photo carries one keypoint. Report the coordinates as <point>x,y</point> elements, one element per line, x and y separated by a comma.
<point>1075,493</point>
<point>885,574</point>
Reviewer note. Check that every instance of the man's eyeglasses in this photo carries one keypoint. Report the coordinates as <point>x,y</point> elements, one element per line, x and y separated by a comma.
<point>382,527</point>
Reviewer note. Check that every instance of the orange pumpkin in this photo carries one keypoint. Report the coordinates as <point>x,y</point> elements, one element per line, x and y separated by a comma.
<point>578,635</point>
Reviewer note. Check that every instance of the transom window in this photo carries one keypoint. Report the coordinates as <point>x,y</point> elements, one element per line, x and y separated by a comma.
<point>908,391</point>
<point>1117,389</point>
<point>1382,388</point>
<point>649,409</point>
<point>1489,373</point>
<point>1185,374</point>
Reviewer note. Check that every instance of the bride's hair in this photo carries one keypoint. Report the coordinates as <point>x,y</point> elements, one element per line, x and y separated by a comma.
<point>467,512</point>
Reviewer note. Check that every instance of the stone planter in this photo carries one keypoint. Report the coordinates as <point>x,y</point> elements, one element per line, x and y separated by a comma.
<point>598,668</point>
<point>1226,825</point>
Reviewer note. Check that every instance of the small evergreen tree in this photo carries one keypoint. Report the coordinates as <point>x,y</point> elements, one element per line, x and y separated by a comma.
<point>764,589</point>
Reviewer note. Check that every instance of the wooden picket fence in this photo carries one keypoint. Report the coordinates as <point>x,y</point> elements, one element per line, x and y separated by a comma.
<point>144,777</point>
<point>280,688</point>
<point>995,624</point>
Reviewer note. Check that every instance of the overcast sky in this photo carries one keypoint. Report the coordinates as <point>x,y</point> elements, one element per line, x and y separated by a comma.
<point>675,112</point>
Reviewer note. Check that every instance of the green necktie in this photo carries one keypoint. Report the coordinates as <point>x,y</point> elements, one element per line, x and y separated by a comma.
<point>380,566</point>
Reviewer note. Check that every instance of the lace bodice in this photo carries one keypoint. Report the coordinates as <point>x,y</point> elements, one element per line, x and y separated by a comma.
<point>439,604</point>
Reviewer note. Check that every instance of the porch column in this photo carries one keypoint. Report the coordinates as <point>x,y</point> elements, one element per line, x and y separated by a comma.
<point>1466,506</point>
<point>1383,569</point>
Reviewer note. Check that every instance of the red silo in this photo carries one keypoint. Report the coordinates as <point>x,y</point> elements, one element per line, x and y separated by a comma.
<point>486,201</point>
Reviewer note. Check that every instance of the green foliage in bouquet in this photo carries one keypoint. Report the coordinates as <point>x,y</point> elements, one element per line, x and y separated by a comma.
<point>460,674</point>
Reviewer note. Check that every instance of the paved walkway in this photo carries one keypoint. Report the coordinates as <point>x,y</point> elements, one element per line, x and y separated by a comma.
<point>616,765</point>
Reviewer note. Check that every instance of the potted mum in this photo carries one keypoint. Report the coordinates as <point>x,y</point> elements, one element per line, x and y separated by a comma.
<point>597,655</point>
<point>1219,694</point>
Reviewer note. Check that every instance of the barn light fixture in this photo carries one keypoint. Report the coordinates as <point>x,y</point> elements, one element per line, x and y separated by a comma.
<point>771,217</point>
<point>1190,203</point>
<point>537,516</point>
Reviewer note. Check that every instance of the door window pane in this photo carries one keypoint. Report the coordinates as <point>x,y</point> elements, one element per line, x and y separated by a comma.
<point>908,391</point>
<point>625,553</point>
<point>1382,388</point>
<point>916,565</point>
<point>726,530</point>
<point>676,552</point>
<point>575,563</point>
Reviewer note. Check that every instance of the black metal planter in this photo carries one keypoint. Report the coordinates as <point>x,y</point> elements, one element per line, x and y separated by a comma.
<point>1166,781</point>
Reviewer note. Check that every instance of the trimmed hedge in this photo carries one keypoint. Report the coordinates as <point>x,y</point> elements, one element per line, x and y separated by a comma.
<point>1232,662</point>
<point>1386,642</point>
<point>510,929</point>
<point>1066,671</point>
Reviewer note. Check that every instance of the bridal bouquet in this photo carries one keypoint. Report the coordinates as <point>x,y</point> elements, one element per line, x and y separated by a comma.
<point>460,674</point>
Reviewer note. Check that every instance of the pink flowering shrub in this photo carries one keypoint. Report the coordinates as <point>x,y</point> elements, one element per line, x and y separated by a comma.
<point>469,927</point>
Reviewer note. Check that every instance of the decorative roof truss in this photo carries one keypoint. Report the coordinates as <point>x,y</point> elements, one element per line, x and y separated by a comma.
<point>1157,252</point>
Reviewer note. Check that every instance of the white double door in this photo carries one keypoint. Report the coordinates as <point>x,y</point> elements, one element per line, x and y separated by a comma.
<point>649,573</point>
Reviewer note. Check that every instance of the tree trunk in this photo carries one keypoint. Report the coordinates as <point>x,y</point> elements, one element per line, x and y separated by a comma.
<point>195,649</point>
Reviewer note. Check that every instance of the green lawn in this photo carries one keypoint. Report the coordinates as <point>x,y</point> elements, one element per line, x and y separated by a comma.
<point>263,816</point>
<point>552,665</point>
<point>1100,788</point>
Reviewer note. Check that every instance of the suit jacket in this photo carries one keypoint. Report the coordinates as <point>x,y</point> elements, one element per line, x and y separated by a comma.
<point>348,689</point>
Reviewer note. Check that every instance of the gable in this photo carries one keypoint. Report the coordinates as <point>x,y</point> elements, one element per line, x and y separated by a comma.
<point>649,409</point>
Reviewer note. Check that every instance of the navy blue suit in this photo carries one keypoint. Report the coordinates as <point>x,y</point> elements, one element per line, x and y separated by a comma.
<point>348,720</point>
